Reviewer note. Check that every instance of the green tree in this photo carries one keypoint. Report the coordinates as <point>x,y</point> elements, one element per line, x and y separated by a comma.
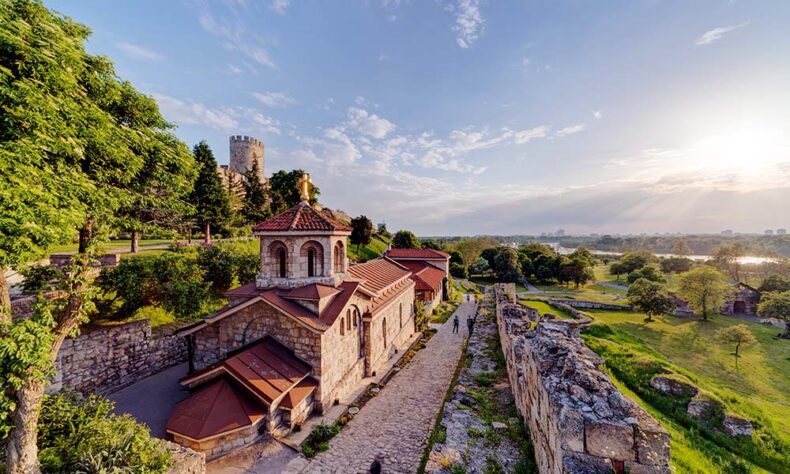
<point>212,205</point>
<point>470,249</point>
<point>160,190</point>
<point>577,267</point>
<point>675,264</point>
<point>648,272</point>
<point>776,304</point>
<point>617,269</point>
<point>489,254</point>
<point>506,265</point>
<point>650,298</point>
<point>382,231</point>
<point>431,244</point>
<point>29,348</point>
<point>738,334</point>
<point>405,239</point>
<point>257,204</point>
<point>775,283</point>
<point>284,186</point>
<point>480,266</point>
<point>361,231</point>
<point>459,270</point>
<point>704,288</point>
<point>633,261</point>
<point>727,258</point>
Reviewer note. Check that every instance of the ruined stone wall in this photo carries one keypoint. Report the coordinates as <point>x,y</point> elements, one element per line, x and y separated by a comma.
<point>109,358</point>
<point>590,304</point>
<point>578,420</point>
<point>185,460</point>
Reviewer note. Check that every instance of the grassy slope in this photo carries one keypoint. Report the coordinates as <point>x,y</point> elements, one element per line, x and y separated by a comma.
<point>759,389</point>
<point>544,308</point>
<point>378,244</point>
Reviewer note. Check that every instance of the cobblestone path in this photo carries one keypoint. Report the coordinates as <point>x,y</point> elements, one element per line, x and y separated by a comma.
<point>395,425</point>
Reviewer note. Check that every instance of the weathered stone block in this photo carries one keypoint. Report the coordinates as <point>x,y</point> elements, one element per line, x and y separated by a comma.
<point>610,440</point>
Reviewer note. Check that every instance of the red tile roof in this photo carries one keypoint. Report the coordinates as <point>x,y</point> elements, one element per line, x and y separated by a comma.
<point>218,408</point>
<point>295,396</point>
<point>427,254</point>
<point>429,278</point>
<point>378,274</point>
<point>331,312</point>
<point>268,369</point>
<point>312,291</point>
<point>300,217</point>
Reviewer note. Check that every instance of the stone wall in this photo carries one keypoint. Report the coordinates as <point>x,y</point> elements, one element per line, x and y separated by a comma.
<point>109,358</point>
<point>590,304</point>
<point>578,420</point>
<point>185,460</point>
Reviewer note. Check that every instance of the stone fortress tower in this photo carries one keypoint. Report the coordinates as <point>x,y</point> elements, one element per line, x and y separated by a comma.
<point>244,151</point>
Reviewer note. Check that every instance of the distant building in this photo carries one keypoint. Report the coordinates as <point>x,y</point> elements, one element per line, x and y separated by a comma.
<point>781,231</point>
<point>560,233</point>
<point>726,232</point>
<point>769,232</point>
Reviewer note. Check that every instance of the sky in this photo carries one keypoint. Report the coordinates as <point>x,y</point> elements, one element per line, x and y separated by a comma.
<point>468,117</point>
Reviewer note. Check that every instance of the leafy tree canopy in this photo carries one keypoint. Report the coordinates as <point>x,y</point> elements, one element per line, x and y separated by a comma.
<point>285,190</point>
<point>704,288</point>
<point>212,205</point>
<point>257,202</point>
<point>361,231</point>
<point>776,304</point>
<point>650,298</point>
<point>405,239</point>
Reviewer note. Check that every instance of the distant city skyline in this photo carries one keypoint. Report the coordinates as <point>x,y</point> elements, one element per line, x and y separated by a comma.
<point>467,117</point>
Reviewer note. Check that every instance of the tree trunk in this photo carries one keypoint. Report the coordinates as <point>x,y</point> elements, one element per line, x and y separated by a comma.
<point>22,451</point>
<point>135,241</point>
<point>207,232</point>
<point>704,311</point>
<point>737,347</point>
<point>189,238</point>
<point>5,296</point>
<point>86,235</point>
<point>786,335</point>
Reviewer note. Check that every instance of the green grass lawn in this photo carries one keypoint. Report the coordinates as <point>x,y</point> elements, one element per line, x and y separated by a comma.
<point>443,312</point>
<point>544,308</point>
<point>758,389</point>
<point>378,244</point>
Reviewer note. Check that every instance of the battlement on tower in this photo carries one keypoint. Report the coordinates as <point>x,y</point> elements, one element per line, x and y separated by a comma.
<point>244,151</point>
<point>245,138</point>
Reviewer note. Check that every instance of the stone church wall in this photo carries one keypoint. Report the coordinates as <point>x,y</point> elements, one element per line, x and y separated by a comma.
<point>249,324</point>
<point>107,359</point>
<point>578,420</point>
<point>399,329</point>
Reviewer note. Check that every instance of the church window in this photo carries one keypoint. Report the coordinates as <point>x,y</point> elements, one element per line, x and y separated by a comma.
<point>384,331</point>
<point>400,314</point>
<point>281,262</point>
<point>311,262</point>
<point>342,326</point>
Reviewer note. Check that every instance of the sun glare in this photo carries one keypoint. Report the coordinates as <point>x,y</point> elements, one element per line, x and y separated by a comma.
<point>745,151</point>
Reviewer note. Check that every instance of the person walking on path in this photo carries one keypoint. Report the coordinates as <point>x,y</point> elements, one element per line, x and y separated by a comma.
<point>470,324</point>
<point>456,322</point>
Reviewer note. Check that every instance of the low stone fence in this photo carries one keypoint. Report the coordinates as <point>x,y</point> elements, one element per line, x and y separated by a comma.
<point>109,358</point>
<point>185,461</point>
<point>578,420</point>
<point>107,260</point>
<point>581,304</point>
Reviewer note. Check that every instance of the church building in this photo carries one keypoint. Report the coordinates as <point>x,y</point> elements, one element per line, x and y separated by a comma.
<point>297,340</point>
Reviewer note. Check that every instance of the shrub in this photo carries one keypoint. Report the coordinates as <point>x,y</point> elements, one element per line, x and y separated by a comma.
<point>223,265</point>
<point>157,316</point>
<point>81,434</point>
<point>170,281</point>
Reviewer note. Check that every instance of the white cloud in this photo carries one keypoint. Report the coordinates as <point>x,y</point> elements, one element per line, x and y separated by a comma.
<point>383,57</point>
<point>369,124</point>
<point>524,136</point>
<point>469,23</point>
<point>570,130</point>
<point>717,33</point>
<point>280,6</point>
<point>234,70</point>
<point>226,119</point>
<point>138,52</point>
<point>274,99</point>
<point>233,38</point>
<point>597,114</point>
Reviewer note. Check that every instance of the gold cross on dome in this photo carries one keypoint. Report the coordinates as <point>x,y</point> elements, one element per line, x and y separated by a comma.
<point>304,186</point>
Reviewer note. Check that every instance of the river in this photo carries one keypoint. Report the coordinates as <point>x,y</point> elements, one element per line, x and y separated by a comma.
<point>745,260</point>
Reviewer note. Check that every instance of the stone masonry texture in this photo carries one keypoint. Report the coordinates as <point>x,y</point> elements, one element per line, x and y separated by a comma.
<point>395,425</point>
<point>106,359</point>
<point>578,420</point>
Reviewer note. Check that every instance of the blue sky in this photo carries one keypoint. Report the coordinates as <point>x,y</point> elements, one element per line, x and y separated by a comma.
<point>468,117</point>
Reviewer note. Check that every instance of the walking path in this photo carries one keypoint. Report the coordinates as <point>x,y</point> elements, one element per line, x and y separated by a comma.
<point>395,425</point>
<point>609,284</point>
